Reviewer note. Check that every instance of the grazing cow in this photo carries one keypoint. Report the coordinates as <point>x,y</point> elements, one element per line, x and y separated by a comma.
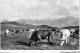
<point>12,30</point>
<point>27,29</point>
<point>76,33</point>
<point>72,31</point>
<point>31,29</point>
<point>34,37</point>
<point>45,34</point>
<point>17,31</point>
<point>7,32</point>
<point>64,35</point>
<point>23,30</point>
<point>38,35</point>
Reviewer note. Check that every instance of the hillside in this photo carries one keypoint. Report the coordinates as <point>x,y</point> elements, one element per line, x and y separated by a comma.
<point>46,26</point>
<point>15,25</point>
<point>8,22</point>
<point>63,21</point>
<point>71,27</point>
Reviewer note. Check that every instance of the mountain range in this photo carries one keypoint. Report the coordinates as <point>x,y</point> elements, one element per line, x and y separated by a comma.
<point>46,23</point>
<point>61,22</point>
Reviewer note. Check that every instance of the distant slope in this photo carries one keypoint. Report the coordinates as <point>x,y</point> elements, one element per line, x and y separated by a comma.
<point>7,26</point>
<point>8,22</point>
<point>75,23</point>
<point>64,21</point>
<point>15,25</point>
<point>71,27</point>
<point>46,26</point>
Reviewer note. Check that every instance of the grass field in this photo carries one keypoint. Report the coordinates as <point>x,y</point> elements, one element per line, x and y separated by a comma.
<point>21,42</point>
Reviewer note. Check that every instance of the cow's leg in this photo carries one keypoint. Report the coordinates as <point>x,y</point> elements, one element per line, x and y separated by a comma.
<point>7,33</point>
<point>40,42</point>
<point>30,43</point>
<point>62,42</point>
<point>39,38</point>
<point>66,40</point>
<point>35,43</point>
<point>49,39</point>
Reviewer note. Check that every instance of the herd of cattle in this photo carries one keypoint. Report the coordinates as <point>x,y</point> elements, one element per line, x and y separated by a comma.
<point>39,34</point>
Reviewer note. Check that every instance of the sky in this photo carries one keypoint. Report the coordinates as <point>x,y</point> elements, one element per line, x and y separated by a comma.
<point>38,9</point>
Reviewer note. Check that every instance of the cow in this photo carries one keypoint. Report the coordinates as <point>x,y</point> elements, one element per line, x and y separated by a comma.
<point>7,32</point>
<point>72,31</point>
<point>76,33</point>
<point>38,35</point>
<point>23,30</point>
<point>27,29</point>
<point>63,35</point>
<point>17,31</point>
<point>32,30</point>
<point>34,37</point>
<point>12,30</point>
<point>45,34</point>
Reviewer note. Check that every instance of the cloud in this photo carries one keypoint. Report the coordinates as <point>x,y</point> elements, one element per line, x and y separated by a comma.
<point>38,9</point>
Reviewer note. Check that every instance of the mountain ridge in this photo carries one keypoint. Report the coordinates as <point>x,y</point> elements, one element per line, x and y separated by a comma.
<point>64,21</point>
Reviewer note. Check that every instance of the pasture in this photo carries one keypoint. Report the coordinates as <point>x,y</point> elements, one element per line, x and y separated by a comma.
<point>21,42</point>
